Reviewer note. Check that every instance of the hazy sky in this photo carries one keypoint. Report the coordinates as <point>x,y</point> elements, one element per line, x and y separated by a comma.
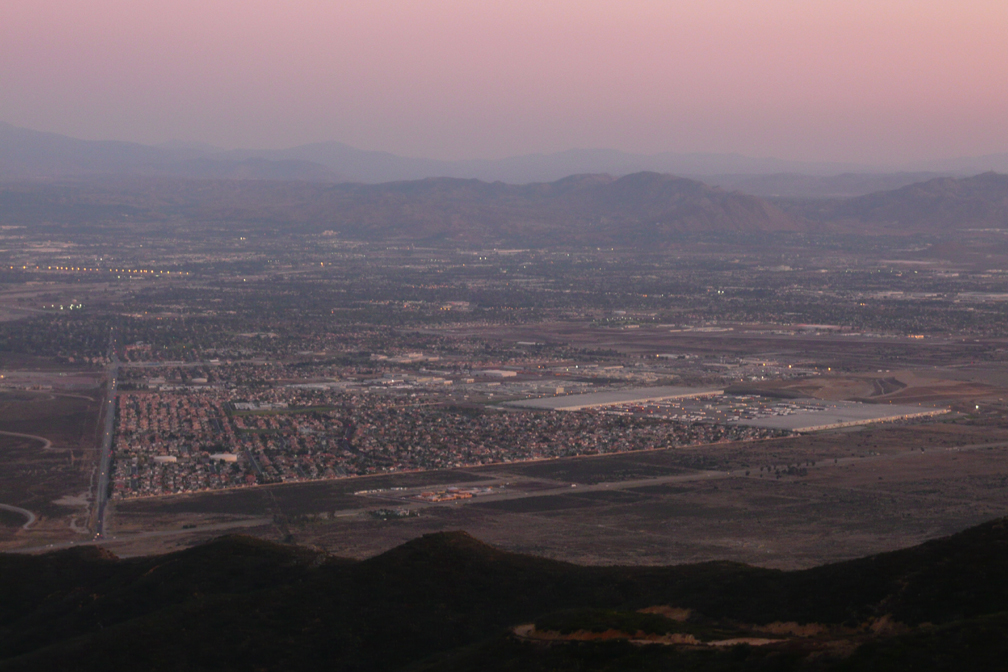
<point>881,81</point>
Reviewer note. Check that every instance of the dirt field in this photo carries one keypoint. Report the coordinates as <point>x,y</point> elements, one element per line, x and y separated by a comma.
<point>35,477</point>
<point>9,522</point>
<point>805,500</point>
<point>861,354</point>
<point>932,386</point>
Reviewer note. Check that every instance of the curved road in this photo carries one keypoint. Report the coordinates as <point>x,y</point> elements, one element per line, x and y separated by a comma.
<point>24,512</point>
<point>46,443</point>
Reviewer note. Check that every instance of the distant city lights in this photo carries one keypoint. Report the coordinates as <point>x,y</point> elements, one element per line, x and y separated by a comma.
<point>84,269</point>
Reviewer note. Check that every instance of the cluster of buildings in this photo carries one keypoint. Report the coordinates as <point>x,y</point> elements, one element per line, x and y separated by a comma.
<point>173,442</point>
<point>452,494</point>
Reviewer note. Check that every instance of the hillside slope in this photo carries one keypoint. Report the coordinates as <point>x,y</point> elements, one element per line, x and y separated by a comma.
<point>447,601</point>
<point>940,205</point>
<point>643,209</point>
<point>26,154</point>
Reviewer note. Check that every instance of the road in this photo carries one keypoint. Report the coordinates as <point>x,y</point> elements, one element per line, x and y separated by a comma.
<point>24,512</point>
<point>105,463</point>
<point>46,443</point>
<point>113,541</point>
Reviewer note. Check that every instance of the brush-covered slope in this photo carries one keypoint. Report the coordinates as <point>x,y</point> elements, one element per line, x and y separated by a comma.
<point>643,209</point>
<point>938,205</point>
<point>26,155</point>
<point>639,209</point>
<point>447,601</point>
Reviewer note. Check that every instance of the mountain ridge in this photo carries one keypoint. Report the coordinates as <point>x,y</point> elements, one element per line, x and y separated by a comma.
<point>641,210</point>
<point>29,154</point>
<point>239,603</point>
<point>938,204</point>
<point>638,209</point>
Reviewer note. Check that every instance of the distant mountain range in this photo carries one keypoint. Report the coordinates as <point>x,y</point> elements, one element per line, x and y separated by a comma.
<point>796,185</point>
<point>28,154</point>
<point>642,210</point>
<point>55,179</point>
<point>940,204</point>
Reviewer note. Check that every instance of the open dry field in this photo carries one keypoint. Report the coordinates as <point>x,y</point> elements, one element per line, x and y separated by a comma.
<point>841,353</point>
<point>793,502</point>
<point>36,297</point>
<point>47,449</point>
<point>957,387</point>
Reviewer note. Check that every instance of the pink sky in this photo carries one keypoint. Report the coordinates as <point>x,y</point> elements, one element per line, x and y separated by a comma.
<point>882,81</point>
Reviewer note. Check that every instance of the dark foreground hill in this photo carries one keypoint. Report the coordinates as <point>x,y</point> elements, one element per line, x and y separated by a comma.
<point>447,601</point>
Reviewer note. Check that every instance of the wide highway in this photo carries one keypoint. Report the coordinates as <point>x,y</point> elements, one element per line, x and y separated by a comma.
<point>105,463</point>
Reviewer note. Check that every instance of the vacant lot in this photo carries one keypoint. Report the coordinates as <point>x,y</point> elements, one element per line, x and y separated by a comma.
<point>293,499</point>
<point>840,353</point>
<point>34,476</point>
<point>805,500</point>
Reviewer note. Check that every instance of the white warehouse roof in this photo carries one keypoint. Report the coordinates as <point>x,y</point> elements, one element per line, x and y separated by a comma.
<point>576,402</point>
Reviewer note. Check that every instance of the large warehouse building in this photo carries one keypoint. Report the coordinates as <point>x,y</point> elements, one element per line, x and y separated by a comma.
<point>577,402</point>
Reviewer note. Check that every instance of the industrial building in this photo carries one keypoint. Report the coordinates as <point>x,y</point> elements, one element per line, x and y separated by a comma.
<point>817,416</point>
<point>577,402</point>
